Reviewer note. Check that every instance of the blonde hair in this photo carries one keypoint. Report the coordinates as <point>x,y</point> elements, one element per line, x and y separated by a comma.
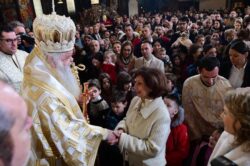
<point>108,53</point>
<point>238,103</point>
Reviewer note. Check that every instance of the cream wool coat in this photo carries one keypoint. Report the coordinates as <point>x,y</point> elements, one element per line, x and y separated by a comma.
<point>146,132</point>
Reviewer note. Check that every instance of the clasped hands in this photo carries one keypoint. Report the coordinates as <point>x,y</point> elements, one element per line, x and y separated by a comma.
<point>114,136</point>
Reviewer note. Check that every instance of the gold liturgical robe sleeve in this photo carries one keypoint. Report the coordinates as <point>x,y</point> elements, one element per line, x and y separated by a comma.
<point>62,134</point>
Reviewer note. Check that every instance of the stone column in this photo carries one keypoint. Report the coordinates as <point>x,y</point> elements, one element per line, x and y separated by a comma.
<point>133,7</point>
<point>38,7</point>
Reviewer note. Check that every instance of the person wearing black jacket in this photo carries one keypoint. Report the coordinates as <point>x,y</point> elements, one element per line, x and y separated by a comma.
<point>237,69</point>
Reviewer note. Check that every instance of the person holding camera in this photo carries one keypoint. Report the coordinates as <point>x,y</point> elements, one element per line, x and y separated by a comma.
<point>24,41</point>
<point>233,146</point>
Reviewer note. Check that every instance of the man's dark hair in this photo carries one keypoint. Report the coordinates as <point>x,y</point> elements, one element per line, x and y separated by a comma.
<point>239,46</point>
<point>197,37</point>
<point>6,144</point>
<point>207,47</point>
<point>118,27</point>
<point>184,19</point>
<point>146,41</point>
<point>128,25</point>
<point>158,40</point>
<point>118,96</point>
<point>208,63</point>
<point>5,28</point>
<point>173,97</point>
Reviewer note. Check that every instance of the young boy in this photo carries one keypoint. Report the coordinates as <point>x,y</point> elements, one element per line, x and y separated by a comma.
<point>97,106</point>
<point>177,147</point>
<point>111,155</point>
<point>117,113</point>
<point>172,87</point>
<point>168,66</point>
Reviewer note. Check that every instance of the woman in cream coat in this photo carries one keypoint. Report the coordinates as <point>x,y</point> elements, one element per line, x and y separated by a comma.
<point>234,142</point>
<point>145,129</point>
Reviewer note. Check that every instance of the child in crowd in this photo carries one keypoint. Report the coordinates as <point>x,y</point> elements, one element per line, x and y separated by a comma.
<point>204,149</point>
<point>166,60</point>
<point>97,106</point>
<point>118,105</point>
<point>176,64</point>
<point>97,61</point>
<point>124,84</point>
<point>106,87</point>
<point>108,66</point>
<point>172,87</point>
<point>111,155</point>
<point>177,147</point>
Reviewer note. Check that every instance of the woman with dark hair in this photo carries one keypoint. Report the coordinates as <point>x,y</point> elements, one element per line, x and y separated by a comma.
<point>126,59</point>
<point>145,129</point>
<point>218,26</point>
<point>124,84</point>
<point>234,142</point>
<point>195,53</point>
<point>237,70</point>
<point>106,86</point>
<point>157,44</point>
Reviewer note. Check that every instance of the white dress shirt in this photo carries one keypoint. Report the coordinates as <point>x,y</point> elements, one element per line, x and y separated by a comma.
<point>236,76</point>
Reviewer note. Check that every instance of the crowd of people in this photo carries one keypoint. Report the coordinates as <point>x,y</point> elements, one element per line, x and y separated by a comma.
<point>162,89</point>
<point>203,55</point>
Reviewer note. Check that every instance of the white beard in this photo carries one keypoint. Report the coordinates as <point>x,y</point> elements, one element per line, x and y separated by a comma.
<point>67,79</point>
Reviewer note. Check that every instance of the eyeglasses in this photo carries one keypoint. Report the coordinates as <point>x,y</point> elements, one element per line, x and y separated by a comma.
<point>9,40</point>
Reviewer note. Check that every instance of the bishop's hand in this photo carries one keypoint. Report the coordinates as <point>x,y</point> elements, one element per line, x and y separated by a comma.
<point>112,138</point>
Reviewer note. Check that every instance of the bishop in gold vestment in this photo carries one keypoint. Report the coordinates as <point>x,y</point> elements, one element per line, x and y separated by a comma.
<point>59,129</point>
<point>60,133</point>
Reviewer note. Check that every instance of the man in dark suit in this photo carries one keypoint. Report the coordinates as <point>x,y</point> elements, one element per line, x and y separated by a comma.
<point>96,35</point>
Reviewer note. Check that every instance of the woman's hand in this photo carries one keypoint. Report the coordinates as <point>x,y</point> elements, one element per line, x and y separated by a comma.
<point>112,138</point>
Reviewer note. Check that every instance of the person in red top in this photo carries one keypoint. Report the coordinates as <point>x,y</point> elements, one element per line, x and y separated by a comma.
<point>177,146</point>
<point>108,66</point>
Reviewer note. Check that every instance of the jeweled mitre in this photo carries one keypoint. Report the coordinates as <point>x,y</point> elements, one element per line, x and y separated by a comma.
<point>54,33</point>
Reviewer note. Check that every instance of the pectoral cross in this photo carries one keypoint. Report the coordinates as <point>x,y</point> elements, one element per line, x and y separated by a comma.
<point>85,96</point>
